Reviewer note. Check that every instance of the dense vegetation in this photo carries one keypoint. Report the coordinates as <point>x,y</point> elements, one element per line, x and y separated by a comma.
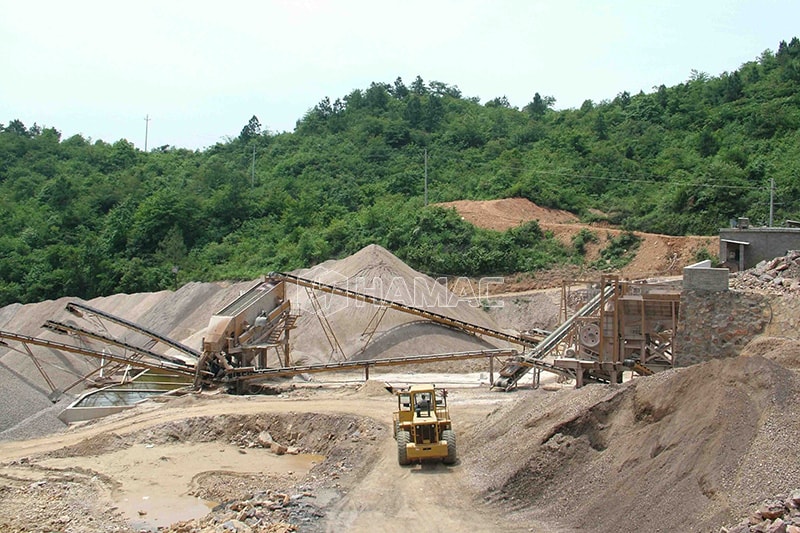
<point>88,218</point>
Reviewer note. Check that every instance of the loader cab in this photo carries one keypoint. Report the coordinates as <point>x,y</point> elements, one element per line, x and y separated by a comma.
<point>422,404</point>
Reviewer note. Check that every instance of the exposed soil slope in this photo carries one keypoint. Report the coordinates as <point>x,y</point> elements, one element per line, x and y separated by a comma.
<point>657,255</point>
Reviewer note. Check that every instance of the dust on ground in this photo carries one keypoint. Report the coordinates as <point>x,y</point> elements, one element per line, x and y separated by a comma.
<point>344,477</point>
<point>700,445</point>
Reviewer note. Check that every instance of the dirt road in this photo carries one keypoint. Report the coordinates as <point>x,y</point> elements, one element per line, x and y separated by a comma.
<point>377,495</point>
<point>431,496</point>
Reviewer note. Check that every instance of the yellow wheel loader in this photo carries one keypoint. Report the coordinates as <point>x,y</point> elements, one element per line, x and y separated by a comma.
<point>422,426</point>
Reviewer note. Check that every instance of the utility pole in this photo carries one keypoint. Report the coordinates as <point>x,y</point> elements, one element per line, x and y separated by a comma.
<point>771,199</point>
<point>253,169</point>
<point>146,127</point>
<point>426,176</point>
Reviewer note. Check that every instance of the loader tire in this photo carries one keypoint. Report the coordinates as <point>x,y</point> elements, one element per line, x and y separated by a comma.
<point>403,438</point>
<point>449,436</point>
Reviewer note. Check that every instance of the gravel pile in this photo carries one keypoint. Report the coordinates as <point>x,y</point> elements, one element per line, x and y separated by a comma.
<point>780,275</point>
<point>695,446</point>
<point>26,410</point>
<point>777,515</point>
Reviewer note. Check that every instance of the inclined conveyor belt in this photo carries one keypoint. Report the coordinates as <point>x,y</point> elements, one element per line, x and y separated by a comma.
<point>60,327</point>
<point>510,377</point>
<point>248,298</point>
<point>77,309</point>
<point>163,365</point>
<point>433,317</point>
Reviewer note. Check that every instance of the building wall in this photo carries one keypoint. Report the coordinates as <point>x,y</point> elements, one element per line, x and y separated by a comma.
<point>765,243</point>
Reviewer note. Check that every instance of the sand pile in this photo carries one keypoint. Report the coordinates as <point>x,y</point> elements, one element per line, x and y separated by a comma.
<point>785,352</point>
<point>375,271</point>
<point>685,450</point>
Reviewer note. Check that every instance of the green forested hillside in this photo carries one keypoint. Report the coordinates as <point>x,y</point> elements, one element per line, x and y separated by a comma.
<point>87,218</point>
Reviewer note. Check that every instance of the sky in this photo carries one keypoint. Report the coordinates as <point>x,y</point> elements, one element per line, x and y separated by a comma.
<point>199,70</point>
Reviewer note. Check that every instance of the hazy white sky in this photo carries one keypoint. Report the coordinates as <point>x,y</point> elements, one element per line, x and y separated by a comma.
<point>201,69</point>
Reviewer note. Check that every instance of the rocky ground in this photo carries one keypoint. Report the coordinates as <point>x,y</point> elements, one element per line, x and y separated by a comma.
<point>778,515</point>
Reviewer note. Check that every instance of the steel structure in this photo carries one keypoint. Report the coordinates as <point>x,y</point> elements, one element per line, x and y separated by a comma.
<point>621,326</point>
<point>618,326</point>
<point>529,340</point>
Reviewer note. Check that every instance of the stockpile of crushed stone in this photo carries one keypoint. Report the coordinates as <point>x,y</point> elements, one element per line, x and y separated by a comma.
<point>375,271</point>
<point>685,450</point>
<point>780,275</point>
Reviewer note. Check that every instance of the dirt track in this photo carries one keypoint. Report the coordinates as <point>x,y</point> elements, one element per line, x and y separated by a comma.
<point>379,495</point>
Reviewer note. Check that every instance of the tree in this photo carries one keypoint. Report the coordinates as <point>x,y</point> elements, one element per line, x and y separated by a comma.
<point>399,91</point>
<point>500,101</point>
<point>17,128</point>
<point>413,112</point>
<point>434,112</point>
<point>418,86</point>
<point>539,105</point>
<point>623,99</point>
<point>442,89</point>
<point>707,144</point>
<point>733,87</point>
<point>377,96</point>
<point>251,130</point>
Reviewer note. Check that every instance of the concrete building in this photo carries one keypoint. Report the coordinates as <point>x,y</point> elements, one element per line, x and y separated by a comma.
<point>742,247</point>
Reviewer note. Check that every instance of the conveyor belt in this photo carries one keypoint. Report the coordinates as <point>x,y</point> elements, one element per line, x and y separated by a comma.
<point>433,317</point>
<point>77,309</point>
<point>510,377</point>
<point>247,299</point>
<point>238,374</point>
<point>60,327</point>
<point>26,339</point>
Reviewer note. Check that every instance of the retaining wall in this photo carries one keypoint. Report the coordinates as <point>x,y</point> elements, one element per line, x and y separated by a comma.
<point>786,313</point>
<point>718,326</point>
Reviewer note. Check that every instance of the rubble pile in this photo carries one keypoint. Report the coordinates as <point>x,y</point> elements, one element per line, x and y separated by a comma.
<point>778,515</point>
<point>264,512</point>
<point>780,275</point>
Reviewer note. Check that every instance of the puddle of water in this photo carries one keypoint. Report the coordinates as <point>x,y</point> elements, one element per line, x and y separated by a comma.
<point>162,512</point>
<point>155,479</point>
